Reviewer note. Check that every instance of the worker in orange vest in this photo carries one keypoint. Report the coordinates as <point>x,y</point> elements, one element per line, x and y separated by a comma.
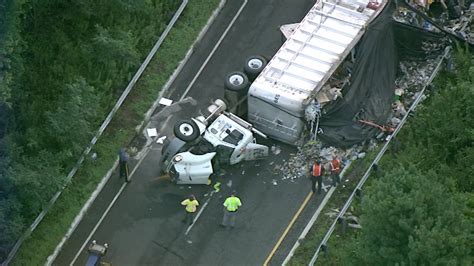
<point>335,171</point>
<point>316,175</point>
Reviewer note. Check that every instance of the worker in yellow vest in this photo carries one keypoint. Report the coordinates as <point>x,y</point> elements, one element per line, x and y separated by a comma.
<point>231,205</point>
<point>191,204</point>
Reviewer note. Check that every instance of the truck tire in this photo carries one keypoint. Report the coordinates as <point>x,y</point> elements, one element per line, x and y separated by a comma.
<point>186,130</point>
<point>254,65</point>
<point>237,82</point>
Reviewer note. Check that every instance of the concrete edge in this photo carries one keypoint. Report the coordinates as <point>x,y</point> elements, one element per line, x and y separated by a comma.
<point>148,114</point>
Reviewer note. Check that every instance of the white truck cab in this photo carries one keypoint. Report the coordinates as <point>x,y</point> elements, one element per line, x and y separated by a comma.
<point>228,130</point>
<point>201,142</point>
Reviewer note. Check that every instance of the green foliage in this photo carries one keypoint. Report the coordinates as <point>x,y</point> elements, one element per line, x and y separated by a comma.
<point>411,219</point>
<point>63,64</point>
<point>421,211</point>
<point>50,231</point>
<point>72,120</point>
<point>35,179</point>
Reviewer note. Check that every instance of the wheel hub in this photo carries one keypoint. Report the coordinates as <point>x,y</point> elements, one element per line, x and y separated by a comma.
<point>186,129</point>
<point>255,63</point>
<point>236,80</point>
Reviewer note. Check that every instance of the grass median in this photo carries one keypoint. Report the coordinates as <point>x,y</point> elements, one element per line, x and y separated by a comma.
<point>121,130</point>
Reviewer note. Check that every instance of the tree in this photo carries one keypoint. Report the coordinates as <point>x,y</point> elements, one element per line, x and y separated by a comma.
<point>411,219</point>
<point>73,120</point>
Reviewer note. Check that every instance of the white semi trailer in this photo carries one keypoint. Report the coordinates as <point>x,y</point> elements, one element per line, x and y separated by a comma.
<point>295,77</point>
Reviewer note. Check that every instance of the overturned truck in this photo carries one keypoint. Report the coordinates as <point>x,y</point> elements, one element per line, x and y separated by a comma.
<point>214,138</point>
<point>333,78</point>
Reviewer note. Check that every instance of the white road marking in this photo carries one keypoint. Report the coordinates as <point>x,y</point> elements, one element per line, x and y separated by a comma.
<point>149,147</point>
<point>213,50</point>
<point>199,213</point>
<point>98,223</point>
<point>309,225</point>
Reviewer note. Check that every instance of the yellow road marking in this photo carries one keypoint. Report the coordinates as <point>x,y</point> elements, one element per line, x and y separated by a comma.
<point>293,220</point>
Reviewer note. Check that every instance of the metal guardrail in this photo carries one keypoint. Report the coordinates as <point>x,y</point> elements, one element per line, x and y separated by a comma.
<point>102,128</point>
<point>323,244</point>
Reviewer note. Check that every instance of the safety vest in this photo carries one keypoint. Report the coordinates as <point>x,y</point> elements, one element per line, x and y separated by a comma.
<point>190,205</point>
<point>335,165</point>
<point>316,169</point>
<point>232,203</point>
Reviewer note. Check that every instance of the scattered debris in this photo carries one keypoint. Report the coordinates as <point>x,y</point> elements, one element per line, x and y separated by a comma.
<point>275,149</point>
<point>152,132</point>
<point>160,140</point>
<point>351,220</point>
<point>217,187</point>
<point>94,157</point>
<point>451,17</point>
<point>165,101</point>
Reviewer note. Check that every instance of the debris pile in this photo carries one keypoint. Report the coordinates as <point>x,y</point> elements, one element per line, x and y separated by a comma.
<point>462,26</point>
<point>413,75</point>
<point>298,164</point>
<point>452,16</point>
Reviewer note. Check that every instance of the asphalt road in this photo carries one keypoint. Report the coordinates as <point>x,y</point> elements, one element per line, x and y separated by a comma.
<point>144,228</point>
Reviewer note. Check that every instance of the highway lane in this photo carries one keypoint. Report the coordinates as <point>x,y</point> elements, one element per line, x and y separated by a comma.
<point>143,226</point>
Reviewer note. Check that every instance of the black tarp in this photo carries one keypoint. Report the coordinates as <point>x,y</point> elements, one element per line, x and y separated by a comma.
<point>371,91</point>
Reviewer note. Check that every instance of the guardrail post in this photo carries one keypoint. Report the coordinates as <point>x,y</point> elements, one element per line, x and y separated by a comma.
<point>375,170</point>
<point>358,192</point>
<point>325,249</point>
<point>343,223</point>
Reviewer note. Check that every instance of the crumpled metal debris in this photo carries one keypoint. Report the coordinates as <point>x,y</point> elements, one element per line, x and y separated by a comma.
<point>275,149</point>
<point>456,19</point>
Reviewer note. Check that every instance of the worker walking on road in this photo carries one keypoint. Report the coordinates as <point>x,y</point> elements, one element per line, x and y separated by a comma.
<point>231,205</point>
<point>316,176</point>
<point>335,171</point>
<point>191,204</point>
<point>123,164</point>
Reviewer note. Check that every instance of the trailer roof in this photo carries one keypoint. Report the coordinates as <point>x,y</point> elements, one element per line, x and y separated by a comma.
<point>318,45</point>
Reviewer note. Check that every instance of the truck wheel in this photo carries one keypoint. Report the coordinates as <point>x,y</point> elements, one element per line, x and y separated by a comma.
<point>186,130</point>
<point>254,65</point>
<point>237,82</point>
